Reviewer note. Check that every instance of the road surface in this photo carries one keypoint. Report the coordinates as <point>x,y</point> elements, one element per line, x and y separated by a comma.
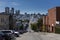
<point>29,36</point>
<point>39,36</point>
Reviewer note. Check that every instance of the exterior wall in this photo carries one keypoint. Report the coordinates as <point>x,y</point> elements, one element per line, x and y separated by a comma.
<point>44,20</point>
<point>57,13</point>
<point>4,21</point>
<point>47,23</point>
<point>52,19</point>
<point>12,22</point>
<point>52,16</point>
<point>44,23</point>
<point>11,25</point>
<point>47,20</point>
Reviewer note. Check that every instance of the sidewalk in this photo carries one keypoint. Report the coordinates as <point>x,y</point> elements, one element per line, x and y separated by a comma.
<point>49,36</point>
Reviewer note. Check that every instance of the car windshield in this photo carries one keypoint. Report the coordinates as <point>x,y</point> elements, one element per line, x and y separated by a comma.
<point>1,33</point>
<point>6,31</point>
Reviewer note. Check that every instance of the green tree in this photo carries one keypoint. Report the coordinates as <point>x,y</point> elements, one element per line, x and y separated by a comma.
<point>34,27</point>
<point>40,24</point>
<point>21,27</point>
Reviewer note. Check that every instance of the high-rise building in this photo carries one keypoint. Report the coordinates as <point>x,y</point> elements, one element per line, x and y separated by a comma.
<point>12,11</point>
<point>17,12</point>
<point>7,10</point>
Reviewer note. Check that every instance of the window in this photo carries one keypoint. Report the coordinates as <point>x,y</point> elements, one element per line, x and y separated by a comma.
<point>2,20</point>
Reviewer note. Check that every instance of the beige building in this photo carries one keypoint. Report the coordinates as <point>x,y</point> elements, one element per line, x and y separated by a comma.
<point>4,21</point>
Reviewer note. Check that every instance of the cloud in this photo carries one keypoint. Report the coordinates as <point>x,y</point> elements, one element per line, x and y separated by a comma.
<point>2,3</point>
<point>14,3</point>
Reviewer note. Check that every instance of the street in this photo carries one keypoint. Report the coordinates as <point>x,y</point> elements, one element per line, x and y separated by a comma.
<point>29,36</point>
<point>38,36</point>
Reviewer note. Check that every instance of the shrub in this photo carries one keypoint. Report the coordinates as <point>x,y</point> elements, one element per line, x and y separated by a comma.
<point>21,27</point>
<point>34,27</point>
<point>57,30</point>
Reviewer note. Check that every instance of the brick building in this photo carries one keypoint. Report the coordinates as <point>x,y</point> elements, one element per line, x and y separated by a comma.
<point>52,19</point>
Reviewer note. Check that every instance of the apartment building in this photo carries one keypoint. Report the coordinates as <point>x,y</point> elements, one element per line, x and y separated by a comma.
<point>4,21</point>
<point>52,19</point>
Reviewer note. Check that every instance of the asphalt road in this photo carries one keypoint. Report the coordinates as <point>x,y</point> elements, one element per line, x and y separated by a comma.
<point>30,36</point>
<point>39,36</point>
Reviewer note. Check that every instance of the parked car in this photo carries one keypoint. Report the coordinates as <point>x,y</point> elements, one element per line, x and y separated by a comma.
<point>1,36</point>
<point>16,33</point>
<point>21,31</point>
<point>25,31</point>
<point>8,34</point>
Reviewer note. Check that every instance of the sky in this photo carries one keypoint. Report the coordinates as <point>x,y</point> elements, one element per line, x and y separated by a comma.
<point>29,6</point>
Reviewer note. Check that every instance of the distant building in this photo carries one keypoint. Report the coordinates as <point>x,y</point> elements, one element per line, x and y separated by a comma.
<point>17,12</point>
<point>7,10</point>
<point>12,11</point>
<point>24,18</point>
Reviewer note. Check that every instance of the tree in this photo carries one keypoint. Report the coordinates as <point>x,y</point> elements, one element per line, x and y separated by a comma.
<point>34,27</point>
<point>40,24</point>
<point>21,27</point>
<point>37,26</point>
<point>26,20</point>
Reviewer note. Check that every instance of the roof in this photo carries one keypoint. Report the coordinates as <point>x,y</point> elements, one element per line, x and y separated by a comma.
<point>54,8</point>
<point>3,13</point>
